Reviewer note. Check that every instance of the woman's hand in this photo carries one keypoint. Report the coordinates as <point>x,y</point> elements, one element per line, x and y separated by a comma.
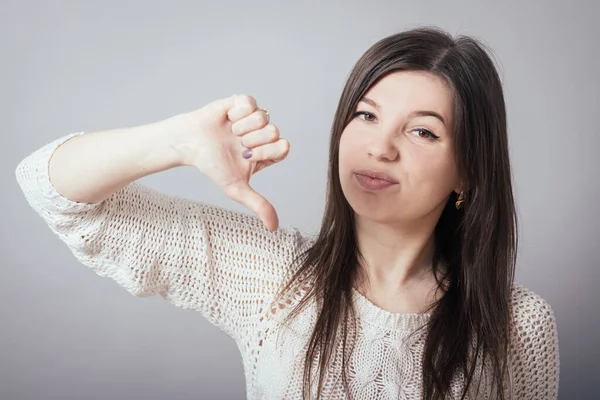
<point>228,140</point>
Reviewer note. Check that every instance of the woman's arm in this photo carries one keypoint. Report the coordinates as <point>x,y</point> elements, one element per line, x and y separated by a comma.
<point>223,263</point>
<point>89,168</point>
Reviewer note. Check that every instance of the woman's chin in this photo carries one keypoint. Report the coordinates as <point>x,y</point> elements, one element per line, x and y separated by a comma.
<point>374,214</point>
<point>373,208</point>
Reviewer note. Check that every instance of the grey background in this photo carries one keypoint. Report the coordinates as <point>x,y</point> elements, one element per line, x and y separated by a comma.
<point>72,65</point>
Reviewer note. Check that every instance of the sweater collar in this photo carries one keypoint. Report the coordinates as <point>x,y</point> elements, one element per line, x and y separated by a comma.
<point>371,314</point>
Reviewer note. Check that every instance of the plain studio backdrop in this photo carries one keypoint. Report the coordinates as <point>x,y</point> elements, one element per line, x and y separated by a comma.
<point>82,66</point>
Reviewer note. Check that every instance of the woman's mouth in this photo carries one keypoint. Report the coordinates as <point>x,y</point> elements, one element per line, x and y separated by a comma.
<point>374,180</point>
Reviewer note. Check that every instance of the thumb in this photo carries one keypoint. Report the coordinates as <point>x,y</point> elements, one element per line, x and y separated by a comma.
<point>244,194</point>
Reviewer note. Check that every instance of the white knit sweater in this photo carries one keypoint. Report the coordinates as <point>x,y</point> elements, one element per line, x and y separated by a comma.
<point>228,267</point>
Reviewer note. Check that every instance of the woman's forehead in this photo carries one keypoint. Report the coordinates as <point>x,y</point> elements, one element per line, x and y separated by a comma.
<point>411,90</point>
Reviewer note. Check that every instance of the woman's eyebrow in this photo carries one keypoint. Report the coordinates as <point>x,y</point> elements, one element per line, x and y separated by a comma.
<point>370,102</point>
<point>417,113</point>
<point>428,113</point>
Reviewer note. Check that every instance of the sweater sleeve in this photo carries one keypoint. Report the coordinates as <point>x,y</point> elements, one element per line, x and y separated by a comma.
<point>222,263</point>
<point>534,341</point>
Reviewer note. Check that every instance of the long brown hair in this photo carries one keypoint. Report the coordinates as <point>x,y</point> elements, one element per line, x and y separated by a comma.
<point>477,242</point>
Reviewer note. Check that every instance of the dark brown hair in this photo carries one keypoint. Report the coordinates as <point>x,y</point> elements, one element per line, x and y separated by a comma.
<point>477,243</point>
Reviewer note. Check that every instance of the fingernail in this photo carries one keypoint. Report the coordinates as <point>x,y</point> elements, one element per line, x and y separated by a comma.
<point>247,153</point>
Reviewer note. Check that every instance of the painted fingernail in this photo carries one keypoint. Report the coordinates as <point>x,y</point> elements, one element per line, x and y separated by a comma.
<point>247,153</point>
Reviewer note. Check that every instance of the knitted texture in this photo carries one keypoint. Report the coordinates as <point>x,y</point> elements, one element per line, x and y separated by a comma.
<point>227,266</point>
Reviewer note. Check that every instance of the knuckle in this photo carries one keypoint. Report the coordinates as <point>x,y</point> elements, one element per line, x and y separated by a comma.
<point>248,101</point>
<point>260,118</point>
<point>272,133</point>
<point>242,98</point>
<point>245,102</point>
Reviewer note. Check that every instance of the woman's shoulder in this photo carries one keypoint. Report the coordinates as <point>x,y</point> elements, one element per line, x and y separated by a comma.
<point>531,312</point>
<point>525,300</point>
<point>534,348</point>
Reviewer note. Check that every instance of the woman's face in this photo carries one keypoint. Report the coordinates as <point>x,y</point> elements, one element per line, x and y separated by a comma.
<point>401,128</point>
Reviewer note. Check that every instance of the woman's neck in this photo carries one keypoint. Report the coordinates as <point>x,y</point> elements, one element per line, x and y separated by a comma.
<point>395,256</point>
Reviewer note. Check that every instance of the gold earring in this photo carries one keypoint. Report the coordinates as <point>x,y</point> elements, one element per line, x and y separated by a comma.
<point>460,201</point>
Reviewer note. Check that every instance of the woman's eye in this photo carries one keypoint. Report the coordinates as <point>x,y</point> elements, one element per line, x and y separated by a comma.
<point>365,116</point>
<point>425,134</point>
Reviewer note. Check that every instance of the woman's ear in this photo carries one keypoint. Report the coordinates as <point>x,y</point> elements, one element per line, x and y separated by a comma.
<point>460,187</point>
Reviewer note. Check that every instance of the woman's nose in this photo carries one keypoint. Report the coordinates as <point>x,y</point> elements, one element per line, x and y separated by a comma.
<point>382,147</point>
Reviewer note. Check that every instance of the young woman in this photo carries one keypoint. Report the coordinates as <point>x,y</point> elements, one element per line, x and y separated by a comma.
<point>406,292</point>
